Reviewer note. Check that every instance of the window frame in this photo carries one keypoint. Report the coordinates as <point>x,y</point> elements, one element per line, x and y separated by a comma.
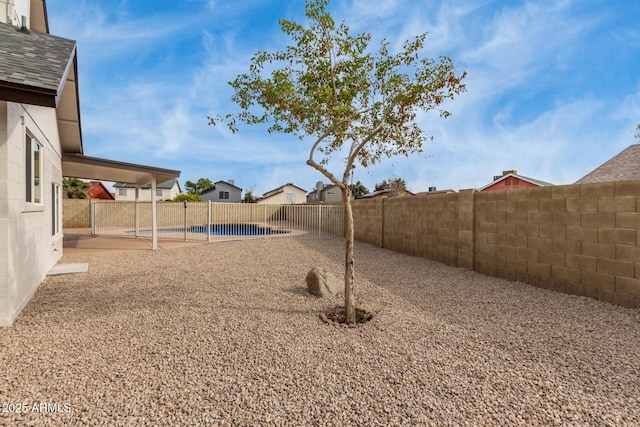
<point>34,172</point>
<point>56,209</point>
<point>122,192</point>
<point>223,195</point>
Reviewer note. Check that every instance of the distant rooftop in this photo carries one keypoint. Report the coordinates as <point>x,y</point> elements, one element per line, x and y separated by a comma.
<point>625,166</point>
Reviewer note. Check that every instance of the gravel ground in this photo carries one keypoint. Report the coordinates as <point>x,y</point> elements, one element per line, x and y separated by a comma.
<point>226,334</point>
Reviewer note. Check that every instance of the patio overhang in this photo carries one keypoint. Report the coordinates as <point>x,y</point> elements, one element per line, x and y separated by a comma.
<point>79,166</point>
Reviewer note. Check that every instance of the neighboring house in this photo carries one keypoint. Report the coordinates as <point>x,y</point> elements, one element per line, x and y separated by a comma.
<point>432,191</point>
<point>325,193</point>
<point>510,180</point>
<point>389,192</point>
<point>624,166</point>
<point>40,142</point>
<point>286,194</point>
<point>165,191</point>
<point>99,191</point>
<point>223,192</point>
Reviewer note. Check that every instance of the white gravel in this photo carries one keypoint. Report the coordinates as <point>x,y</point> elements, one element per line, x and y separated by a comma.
<point>226,334</point>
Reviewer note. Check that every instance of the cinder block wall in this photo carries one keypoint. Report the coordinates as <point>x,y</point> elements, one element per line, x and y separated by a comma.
<point>76,213</point>
<point>578,239</point>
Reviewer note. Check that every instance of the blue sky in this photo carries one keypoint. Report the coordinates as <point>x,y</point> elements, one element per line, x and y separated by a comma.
<point>552,86</point>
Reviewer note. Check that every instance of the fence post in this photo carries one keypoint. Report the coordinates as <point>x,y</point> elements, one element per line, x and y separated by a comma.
<point>209,221</point>
<point>185,220</point>
<point>93,217</point>
<point>320,219</point>
<point>137,216</point>
<point>382,200</point>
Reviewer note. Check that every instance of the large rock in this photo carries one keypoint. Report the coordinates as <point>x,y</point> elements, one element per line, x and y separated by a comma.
<point>321,283</point>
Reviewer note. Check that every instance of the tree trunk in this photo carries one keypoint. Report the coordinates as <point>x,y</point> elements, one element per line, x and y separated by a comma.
<point>349,307</point>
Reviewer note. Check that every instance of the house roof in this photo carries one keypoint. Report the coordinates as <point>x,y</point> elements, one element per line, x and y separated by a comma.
<point>79,166</point>
<point>428,193</point>
<point>280,190</point>
<point>384,192</point>
<point>166,185</point>
<point>624,166</point>
<point>41,69</point>
<point>97,187</point>
<point>533,181</point>
<point>228,183</point>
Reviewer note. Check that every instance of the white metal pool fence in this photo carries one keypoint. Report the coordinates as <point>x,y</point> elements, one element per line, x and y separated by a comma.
<point>207,221</point>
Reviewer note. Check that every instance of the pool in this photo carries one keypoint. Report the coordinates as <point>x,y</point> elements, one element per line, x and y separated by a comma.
<point>236,230</point>
<point>231,229</point>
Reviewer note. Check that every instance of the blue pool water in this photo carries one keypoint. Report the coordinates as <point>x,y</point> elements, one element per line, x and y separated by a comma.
<point>235,230</point>
<point>223,230</point>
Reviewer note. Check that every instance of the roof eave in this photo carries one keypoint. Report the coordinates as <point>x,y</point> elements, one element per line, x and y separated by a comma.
<point>23,94</point>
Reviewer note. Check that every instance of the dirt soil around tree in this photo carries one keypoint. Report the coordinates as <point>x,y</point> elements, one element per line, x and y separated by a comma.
<point>226,334</point>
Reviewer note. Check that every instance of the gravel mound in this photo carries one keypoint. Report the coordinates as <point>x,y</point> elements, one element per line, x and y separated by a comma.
<point>226,334</point>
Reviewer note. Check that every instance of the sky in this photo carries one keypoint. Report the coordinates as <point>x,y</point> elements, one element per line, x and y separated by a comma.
<point>552,86</point>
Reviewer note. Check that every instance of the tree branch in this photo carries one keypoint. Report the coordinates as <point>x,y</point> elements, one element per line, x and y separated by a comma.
<point>326,173</point>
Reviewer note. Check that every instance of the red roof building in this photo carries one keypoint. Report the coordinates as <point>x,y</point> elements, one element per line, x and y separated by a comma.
<point>99,191</point>
<point>510,180</point>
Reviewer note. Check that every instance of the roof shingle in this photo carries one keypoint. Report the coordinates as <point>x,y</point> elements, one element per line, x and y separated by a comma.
<point>625,166</point>
<point>33,62</point>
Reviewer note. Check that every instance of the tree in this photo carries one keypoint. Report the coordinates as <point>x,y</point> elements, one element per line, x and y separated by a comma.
<point>395,184</point>
<point>249,197</point>
<point>358,189</point>
<point>75,188</point>
<point>330,86</point>
<point>197,188</point>
<point>187,197</point>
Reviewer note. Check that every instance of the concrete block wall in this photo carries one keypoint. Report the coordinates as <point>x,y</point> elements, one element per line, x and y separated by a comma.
<point>578,239</point>
<point>76,213</point>
<point>368,220</point>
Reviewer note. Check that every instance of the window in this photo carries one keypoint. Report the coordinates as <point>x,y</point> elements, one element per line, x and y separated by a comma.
<point>55,209</point>
<point>223,195</point>
<point>159,192</point>
<point>291,197</point>
<point>33,169</point>
<point>122,192</point>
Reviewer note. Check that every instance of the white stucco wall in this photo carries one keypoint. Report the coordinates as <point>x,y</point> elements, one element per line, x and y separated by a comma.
<point>27,249</point>
<point>15,9</point>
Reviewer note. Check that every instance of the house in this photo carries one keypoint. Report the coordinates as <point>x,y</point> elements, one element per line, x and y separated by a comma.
<point>387,192</point>
<point>40,142</point>
<point>432,191</point>
<point>510,180</point>
<point>165,191</point>
<point>325,193</point>
<point>223,192</point>
<point>624,166</point>
<point>285,194</point>
<point>99,191</point>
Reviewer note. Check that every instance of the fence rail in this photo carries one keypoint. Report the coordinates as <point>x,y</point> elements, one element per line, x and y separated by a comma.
<point>208,221</point>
